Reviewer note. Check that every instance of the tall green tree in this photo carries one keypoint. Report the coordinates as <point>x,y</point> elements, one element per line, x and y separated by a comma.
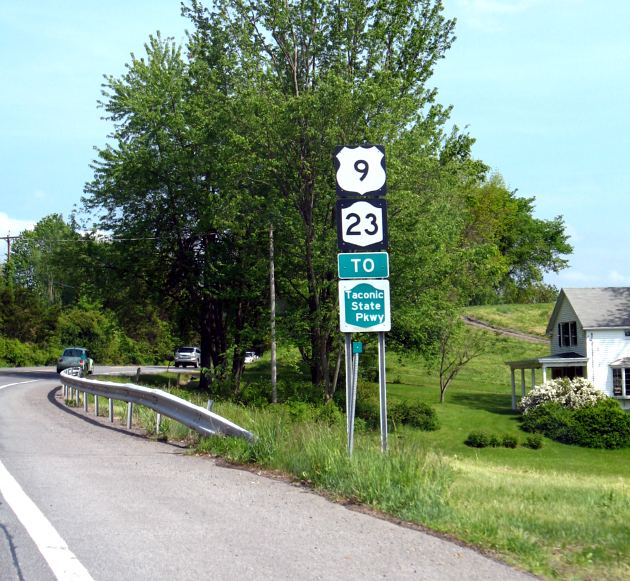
<point>528,247</point>
<point>213,149</point>
<point>161,185</point>
<point>323,74</point>
<point>43,259</point>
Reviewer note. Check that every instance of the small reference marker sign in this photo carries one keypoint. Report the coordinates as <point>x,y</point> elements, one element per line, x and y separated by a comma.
<point>363,265</point>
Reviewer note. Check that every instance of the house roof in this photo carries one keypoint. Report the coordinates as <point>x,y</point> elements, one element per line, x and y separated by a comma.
<point>596,308</point>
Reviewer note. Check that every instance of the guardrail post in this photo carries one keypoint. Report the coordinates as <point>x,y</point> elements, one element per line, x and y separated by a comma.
<point>129,414</point>
<point>85,401</point>
<point>110,405</point>
<point>158,421</point>
<point>96,405</point>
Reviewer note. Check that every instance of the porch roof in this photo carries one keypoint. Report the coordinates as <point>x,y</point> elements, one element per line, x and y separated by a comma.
<point>554,360</point>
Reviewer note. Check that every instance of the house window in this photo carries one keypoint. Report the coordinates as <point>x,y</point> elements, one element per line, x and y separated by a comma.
<point>567,334</point>
<point>569,372</point>
<point>621,381</point>
<point>617,382</point>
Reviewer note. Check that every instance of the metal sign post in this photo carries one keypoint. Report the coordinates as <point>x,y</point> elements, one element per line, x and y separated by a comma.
<point>382,386</point>
<point>349,375</point>
<point>357,348</point>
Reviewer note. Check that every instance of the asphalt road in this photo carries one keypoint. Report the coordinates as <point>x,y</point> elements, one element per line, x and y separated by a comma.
<point>130,508</point>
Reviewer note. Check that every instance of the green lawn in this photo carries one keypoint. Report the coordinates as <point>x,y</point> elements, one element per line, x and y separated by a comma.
<point>561,511</point>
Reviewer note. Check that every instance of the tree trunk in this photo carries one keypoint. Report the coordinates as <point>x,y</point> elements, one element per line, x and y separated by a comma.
<point>213,340</point>
<point>333,386</point>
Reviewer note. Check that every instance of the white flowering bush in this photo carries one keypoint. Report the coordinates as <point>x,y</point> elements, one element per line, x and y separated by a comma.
<point>569,393</point>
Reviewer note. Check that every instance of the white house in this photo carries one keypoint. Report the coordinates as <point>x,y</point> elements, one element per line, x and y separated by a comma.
<point>589,332</point>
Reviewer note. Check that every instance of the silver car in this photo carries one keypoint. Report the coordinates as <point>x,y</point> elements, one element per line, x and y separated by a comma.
<point>185,356</point>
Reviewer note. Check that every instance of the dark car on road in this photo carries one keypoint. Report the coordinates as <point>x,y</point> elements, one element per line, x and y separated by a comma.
<point>75,357</point>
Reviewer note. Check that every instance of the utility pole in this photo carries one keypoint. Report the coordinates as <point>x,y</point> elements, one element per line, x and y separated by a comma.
<point>272,294</point>
<point>8,239</point>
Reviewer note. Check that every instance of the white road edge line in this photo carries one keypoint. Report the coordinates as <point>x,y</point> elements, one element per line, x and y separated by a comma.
<point>19,383</point>
<point>62,561</point>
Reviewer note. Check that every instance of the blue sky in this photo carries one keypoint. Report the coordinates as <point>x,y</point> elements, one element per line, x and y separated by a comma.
<point>541,84</point>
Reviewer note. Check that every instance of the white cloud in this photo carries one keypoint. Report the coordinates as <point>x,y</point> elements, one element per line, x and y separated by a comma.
<point>13,226</point>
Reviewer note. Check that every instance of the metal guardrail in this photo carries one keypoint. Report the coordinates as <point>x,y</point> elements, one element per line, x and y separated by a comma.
<point>195,417</point>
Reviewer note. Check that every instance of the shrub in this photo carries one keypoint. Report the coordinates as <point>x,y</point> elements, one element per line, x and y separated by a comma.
<point>604,425</point>
<point>299,411</point>
<point>15,353</point>
<point>330,415</point>
<point>509,441</point>
<point>417,414</point>
<point>369,411</point>
<point>494,441</point>
<point>256,394</point>
<point>570,393</point>
<point>533,441</point>
<point>551,419</point>
<point>478,439</point>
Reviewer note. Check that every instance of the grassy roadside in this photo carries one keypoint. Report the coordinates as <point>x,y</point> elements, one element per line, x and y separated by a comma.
<point>550,511</point>
<point>559,512</point>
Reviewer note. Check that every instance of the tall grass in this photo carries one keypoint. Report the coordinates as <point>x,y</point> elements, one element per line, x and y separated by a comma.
<point>409,481</point>
<point>553,523</point>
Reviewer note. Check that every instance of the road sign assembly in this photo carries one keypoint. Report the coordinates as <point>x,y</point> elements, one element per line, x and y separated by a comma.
<point>361,217</point>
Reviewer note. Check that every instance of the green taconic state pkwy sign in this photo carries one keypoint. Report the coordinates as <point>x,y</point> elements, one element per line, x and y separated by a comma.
<point>364,306</point>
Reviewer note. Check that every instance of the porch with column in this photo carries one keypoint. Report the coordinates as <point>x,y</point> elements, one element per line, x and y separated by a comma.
<point>523,366</point>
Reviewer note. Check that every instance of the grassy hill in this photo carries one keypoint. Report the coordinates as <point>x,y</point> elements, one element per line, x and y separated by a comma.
<point>530,319</point>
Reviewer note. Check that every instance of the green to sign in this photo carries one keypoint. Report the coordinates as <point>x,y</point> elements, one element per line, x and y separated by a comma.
<point>364,306</point>
<point>363,265</point>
